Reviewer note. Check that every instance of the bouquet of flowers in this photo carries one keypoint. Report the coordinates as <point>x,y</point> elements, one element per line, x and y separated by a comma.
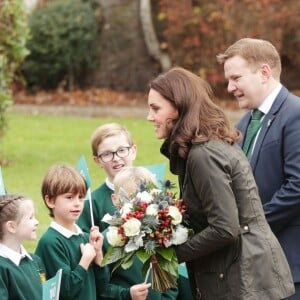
<point>148,225</point>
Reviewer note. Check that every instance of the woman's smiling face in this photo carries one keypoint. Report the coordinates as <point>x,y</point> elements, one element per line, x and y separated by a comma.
<point>162,113</point>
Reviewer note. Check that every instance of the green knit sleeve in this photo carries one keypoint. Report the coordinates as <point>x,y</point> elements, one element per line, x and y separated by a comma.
<point>113,291</point>
<point>57,253</point>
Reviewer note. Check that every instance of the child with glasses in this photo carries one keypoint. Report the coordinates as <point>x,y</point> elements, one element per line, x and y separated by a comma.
<point>21,273</point>
<point>64,245</point>
<point>113,149</point>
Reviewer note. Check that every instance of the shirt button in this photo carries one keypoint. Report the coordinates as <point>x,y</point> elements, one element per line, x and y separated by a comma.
<point>246,228</point>
<point>221,275</point>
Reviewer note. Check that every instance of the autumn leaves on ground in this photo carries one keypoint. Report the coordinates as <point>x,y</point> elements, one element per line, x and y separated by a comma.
<point>93,97</point>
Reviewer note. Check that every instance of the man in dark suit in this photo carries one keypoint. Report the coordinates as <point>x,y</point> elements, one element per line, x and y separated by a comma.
<point>252,68</point>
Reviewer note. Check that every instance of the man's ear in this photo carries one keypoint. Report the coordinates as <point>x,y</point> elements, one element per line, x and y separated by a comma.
<point>266,72</point>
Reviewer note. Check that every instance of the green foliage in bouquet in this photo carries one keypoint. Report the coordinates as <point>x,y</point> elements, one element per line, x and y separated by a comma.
<point>148,225</point>
<point>62,46</point>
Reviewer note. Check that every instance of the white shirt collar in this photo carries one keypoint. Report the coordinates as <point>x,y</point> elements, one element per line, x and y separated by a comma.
<point>14,256</point>
<point>64,231</point>
<point>109,184</point>
<point>268,102</point>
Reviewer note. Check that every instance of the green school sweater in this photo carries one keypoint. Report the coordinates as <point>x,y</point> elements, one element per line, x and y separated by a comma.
<point>102,204</point>
<point>59,252</point>
<point>23,282</point>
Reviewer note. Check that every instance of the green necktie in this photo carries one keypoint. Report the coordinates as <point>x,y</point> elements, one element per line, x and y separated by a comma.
<point>252,130</point>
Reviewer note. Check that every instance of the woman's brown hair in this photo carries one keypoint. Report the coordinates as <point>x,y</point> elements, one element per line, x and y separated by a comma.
<point>199,118</point>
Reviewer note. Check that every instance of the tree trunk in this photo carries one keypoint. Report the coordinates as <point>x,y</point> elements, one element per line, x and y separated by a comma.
<point>151,40</point>
<point>125,64</point>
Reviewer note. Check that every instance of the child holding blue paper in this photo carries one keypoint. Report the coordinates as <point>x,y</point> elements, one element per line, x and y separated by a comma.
<point>64,245</point>
<point>21,273</point>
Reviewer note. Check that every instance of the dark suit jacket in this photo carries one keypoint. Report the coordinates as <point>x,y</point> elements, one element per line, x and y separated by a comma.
<point>276,166</point>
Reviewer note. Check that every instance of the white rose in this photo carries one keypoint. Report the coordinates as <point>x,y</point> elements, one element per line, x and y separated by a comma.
<point>113,237</point>
<point>144,197</point>
<point>175,214</point>
<point>152,210</point>
<point>132,227</point>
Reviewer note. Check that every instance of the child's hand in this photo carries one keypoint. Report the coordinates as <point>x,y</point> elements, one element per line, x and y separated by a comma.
<point>96,236</point>
<point>88,254</point>
<point>96,239</point>
<point>139,291</point>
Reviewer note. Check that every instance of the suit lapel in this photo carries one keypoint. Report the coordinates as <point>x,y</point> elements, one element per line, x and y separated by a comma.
<point>267,123</point>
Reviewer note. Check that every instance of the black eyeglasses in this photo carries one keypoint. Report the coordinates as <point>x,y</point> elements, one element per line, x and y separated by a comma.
<point>109,155</point>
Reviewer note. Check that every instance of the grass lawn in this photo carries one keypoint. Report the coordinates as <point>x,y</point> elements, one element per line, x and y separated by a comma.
<point>34,143</point>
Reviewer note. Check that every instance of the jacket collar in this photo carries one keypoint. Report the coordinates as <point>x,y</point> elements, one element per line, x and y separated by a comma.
<point>177,164</point>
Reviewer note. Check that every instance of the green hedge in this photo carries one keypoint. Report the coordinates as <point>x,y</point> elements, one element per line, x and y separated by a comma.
<point>62,46</point>
<point>13,36</point>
